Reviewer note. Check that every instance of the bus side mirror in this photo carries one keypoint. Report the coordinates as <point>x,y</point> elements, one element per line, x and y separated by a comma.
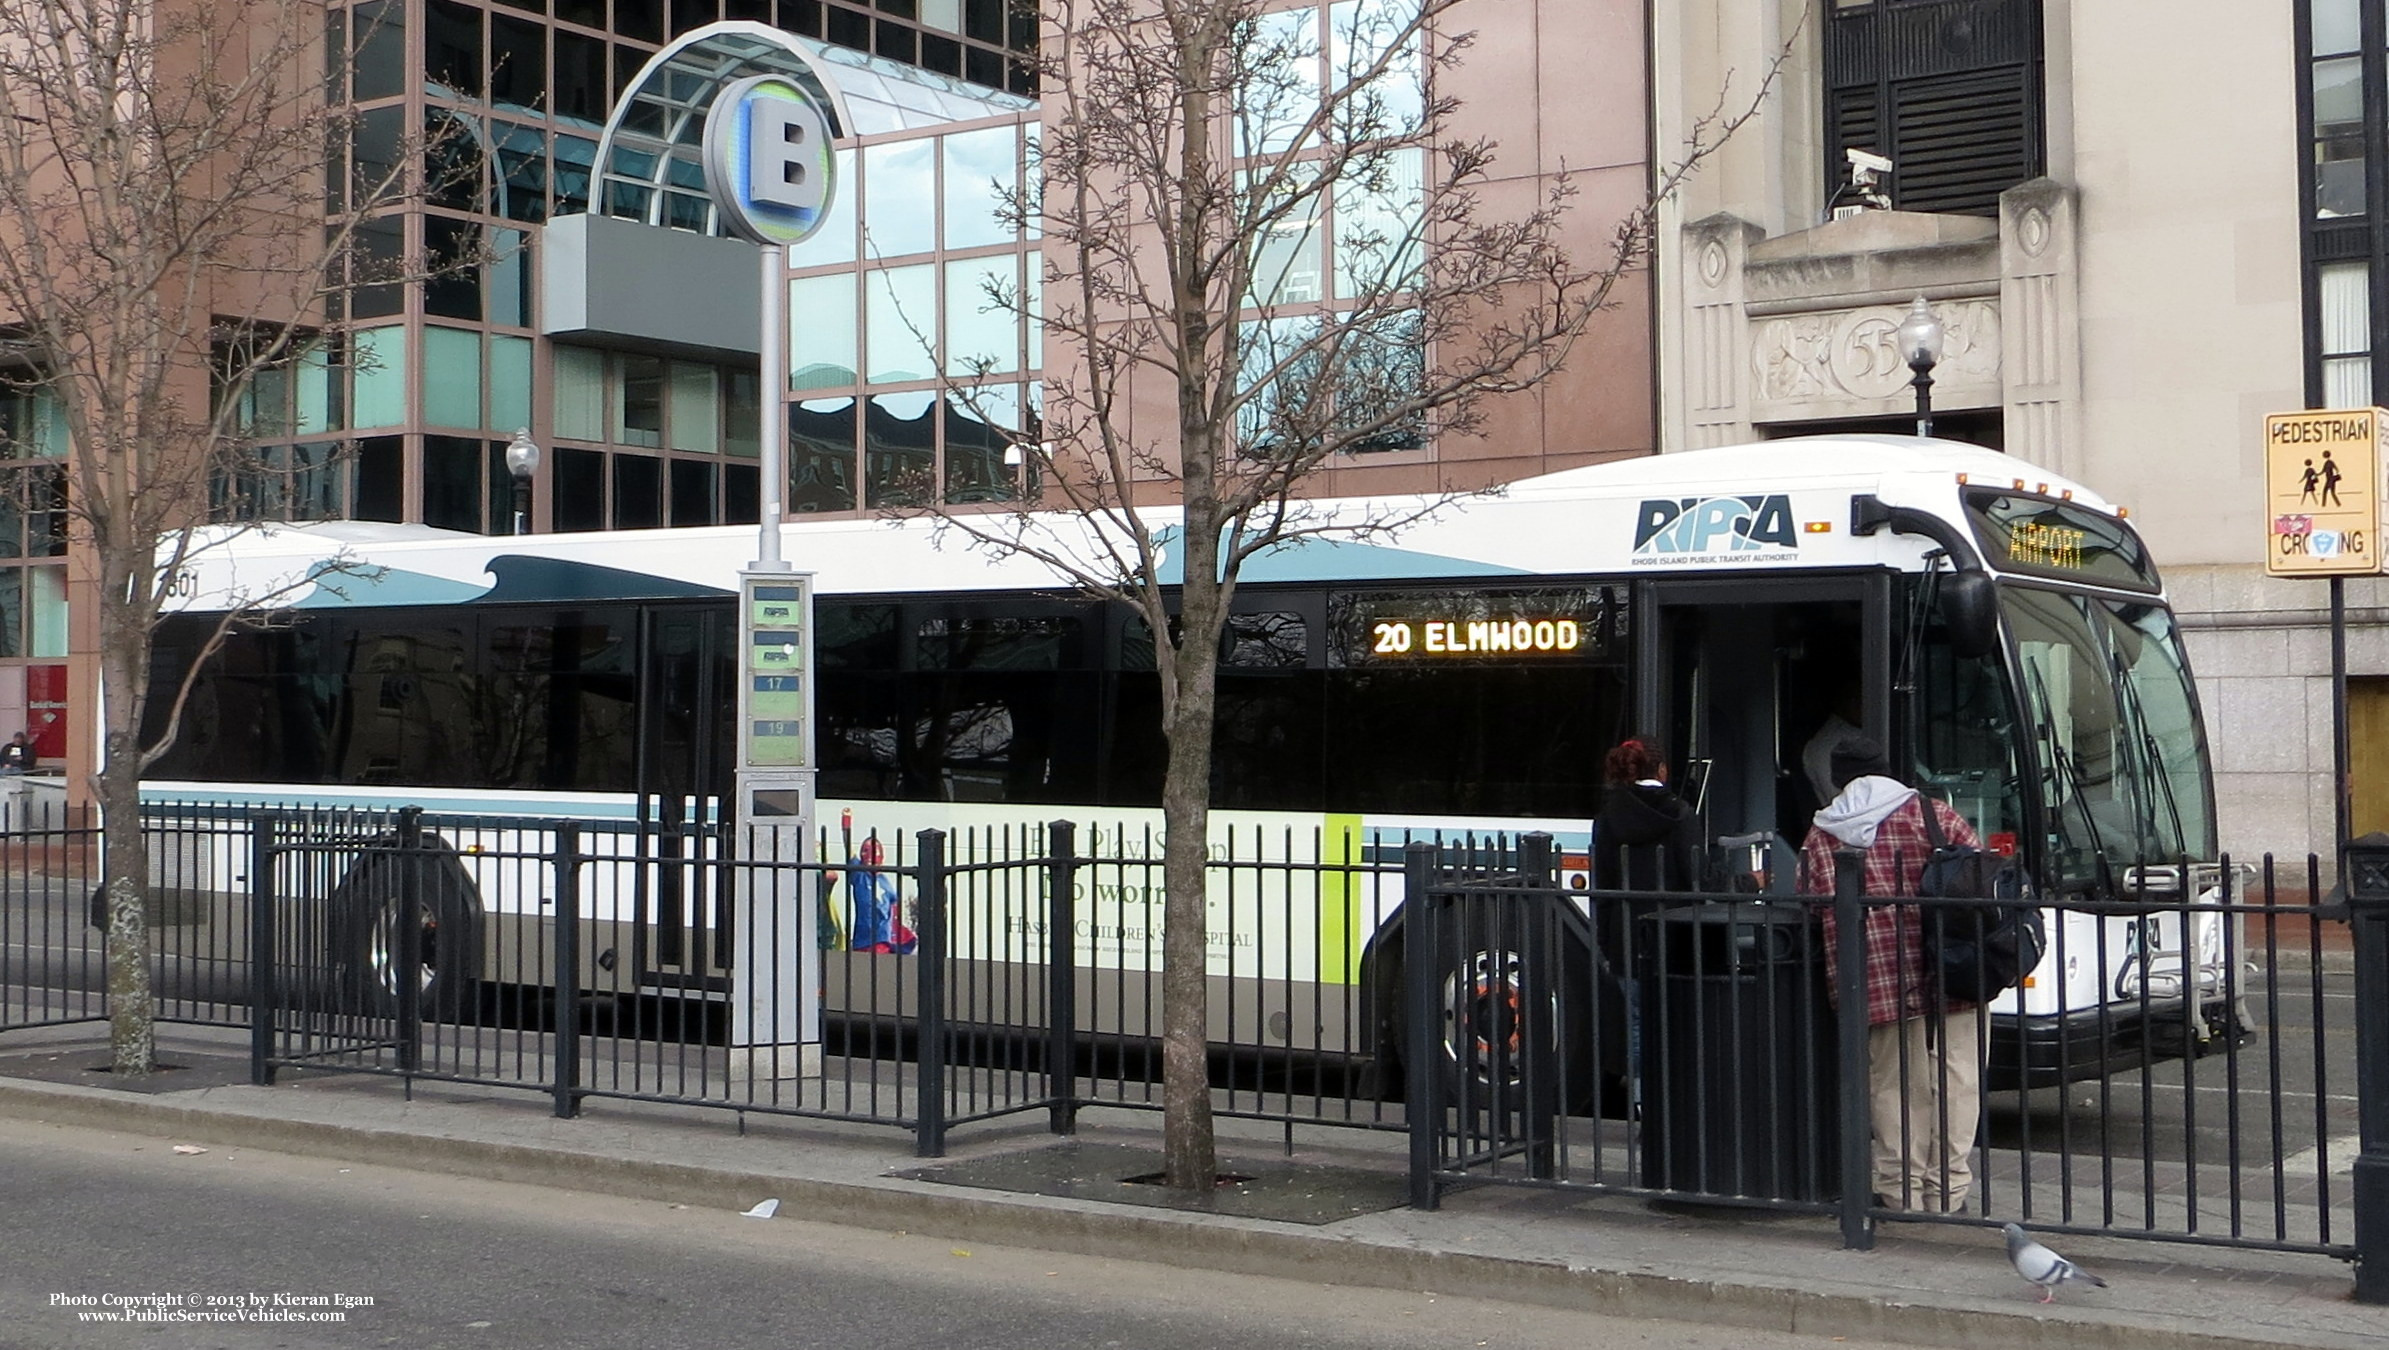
<point>1970,610</point>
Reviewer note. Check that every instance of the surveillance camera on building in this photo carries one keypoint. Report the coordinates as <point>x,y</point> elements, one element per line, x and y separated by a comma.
<point>1866,166</point>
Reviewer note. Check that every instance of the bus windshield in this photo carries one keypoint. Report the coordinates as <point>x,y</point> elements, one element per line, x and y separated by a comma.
<point>2115,730</point>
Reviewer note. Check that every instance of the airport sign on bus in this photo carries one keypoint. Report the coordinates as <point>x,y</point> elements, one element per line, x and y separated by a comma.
<point>2323,492</point>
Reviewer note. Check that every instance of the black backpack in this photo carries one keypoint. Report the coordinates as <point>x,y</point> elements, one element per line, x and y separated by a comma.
<point>1976,952</point>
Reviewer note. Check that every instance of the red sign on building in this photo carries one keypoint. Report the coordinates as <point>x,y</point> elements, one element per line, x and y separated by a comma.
<point>45,712</point>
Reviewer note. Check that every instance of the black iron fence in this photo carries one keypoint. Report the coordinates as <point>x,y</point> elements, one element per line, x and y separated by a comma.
<point>2191,1065</point>
<point>2184,1066</point>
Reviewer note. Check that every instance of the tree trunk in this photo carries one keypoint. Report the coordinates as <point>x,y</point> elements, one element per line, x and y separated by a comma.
<point>124,853</point>
<point>1189,1154</point>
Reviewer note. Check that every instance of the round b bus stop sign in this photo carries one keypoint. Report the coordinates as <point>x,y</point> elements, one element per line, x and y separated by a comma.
<point>2323,492</point>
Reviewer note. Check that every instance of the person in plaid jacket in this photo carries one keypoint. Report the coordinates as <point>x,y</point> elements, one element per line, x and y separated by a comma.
<point>1914,1084</point>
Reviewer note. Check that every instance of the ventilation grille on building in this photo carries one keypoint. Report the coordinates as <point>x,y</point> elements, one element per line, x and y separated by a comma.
<point>1962,81</point>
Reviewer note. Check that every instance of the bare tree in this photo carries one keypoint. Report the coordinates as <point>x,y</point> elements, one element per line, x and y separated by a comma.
<point>1200,160</point>
<point>177,219</point>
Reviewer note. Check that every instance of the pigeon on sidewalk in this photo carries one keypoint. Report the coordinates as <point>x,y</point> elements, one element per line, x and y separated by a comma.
<point>2042,1266</point>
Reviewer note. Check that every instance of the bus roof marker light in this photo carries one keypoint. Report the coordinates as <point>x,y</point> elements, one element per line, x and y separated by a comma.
<point>2019,484</point>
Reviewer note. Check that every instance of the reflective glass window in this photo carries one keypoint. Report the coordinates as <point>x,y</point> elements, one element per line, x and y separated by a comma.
<point>821,455</point>
<point>319,397</point>
<point>638,492</point>
<point>1288,268</point>
<point>1281,53</point>
<point>381,478</point>
<point>580,393</point>
<point>742,411</point>
<point>692,493</point>
<point>902,318</point>
<point>452,473</point>
<point>509,382</point>
<point>315,482</point>
<point>2339,137</point>
<point>982,334</point>
<point>509,271</point>
<point>453,290</point>
<point>979,423</point>
<point>577,488</point>
<point>696,410</point>
<point>452,49</point>
<point>580,79</point>
<point>380,255</point>
<point>822,332</point>
<point>833,244</point>
<point>2338,26</point>
<point>380,399</point>
<point>451,377</point>
<point>12,611</point>
<point>639,401</point>
<point>574,158</point>
<point>2346,306</point>
<point>521,171</point>
<point>979,172</point>
<point>379,70</point>
<point>1379,217</point>
<point>1360,34</point>
<point>46,608</point>
<point>900,197</point>
<point>899,449</point>
<point>742,494</point>
<point>517,63</point>
<point>639,20</point>
<point>455,161</point>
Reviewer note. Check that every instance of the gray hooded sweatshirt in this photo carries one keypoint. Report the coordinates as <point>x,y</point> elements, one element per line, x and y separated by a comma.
<point>1864,804</point>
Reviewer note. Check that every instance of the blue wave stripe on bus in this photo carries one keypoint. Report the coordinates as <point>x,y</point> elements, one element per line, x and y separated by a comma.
<point>337,586</point>
<point>518,579</point>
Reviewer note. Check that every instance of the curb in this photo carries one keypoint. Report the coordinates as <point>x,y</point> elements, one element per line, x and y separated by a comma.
<point>1230,1246</point>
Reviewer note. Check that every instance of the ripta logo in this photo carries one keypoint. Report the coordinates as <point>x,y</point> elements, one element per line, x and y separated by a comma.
<point>1715,525</point>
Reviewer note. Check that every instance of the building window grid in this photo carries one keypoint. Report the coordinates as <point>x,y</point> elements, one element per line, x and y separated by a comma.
<point>2344,111</point>
<point>1302,273</point>
<point>869,444</point>
<point>532,146</point>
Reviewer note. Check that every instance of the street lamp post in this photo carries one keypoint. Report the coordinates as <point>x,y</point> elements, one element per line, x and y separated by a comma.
<point>522,460</point>
<point>1920,347</point>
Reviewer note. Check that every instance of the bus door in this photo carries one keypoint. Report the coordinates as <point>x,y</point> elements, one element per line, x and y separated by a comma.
<point>682,770</point>
<point>1736,676</point>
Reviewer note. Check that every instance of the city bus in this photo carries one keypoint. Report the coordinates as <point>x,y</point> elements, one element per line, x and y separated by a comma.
<point>2001,631</point>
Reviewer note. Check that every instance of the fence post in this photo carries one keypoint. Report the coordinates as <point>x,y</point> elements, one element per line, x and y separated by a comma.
<point>1061,975</point>
<point>262,994</point>
<point>1422,1079</point>
<point>929,858</point>
<point>406,979</point>
<point>1539,934</point>
<point>1849,996</point>
<point>2368,915</point>
<point>568,970</point>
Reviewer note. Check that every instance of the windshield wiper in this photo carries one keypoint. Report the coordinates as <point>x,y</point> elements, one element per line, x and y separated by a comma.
<point>2072,786</point>
<point>2159,784</point>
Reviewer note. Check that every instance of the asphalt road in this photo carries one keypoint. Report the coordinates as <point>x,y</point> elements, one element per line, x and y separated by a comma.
<point>94,1221</point>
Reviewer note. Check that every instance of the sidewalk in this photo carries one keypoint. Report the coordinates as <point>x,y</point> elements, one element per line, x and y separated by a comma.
<point>1328,1210</point>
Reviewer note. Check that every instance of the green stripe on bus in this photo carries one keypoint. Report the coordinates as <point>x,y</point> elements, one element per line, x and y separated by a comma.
<point>1339,902</point>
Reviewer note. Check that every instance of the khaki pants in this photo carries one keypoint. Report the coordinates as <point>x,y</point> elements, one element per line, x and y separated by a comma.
<point>1924,1074</point>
